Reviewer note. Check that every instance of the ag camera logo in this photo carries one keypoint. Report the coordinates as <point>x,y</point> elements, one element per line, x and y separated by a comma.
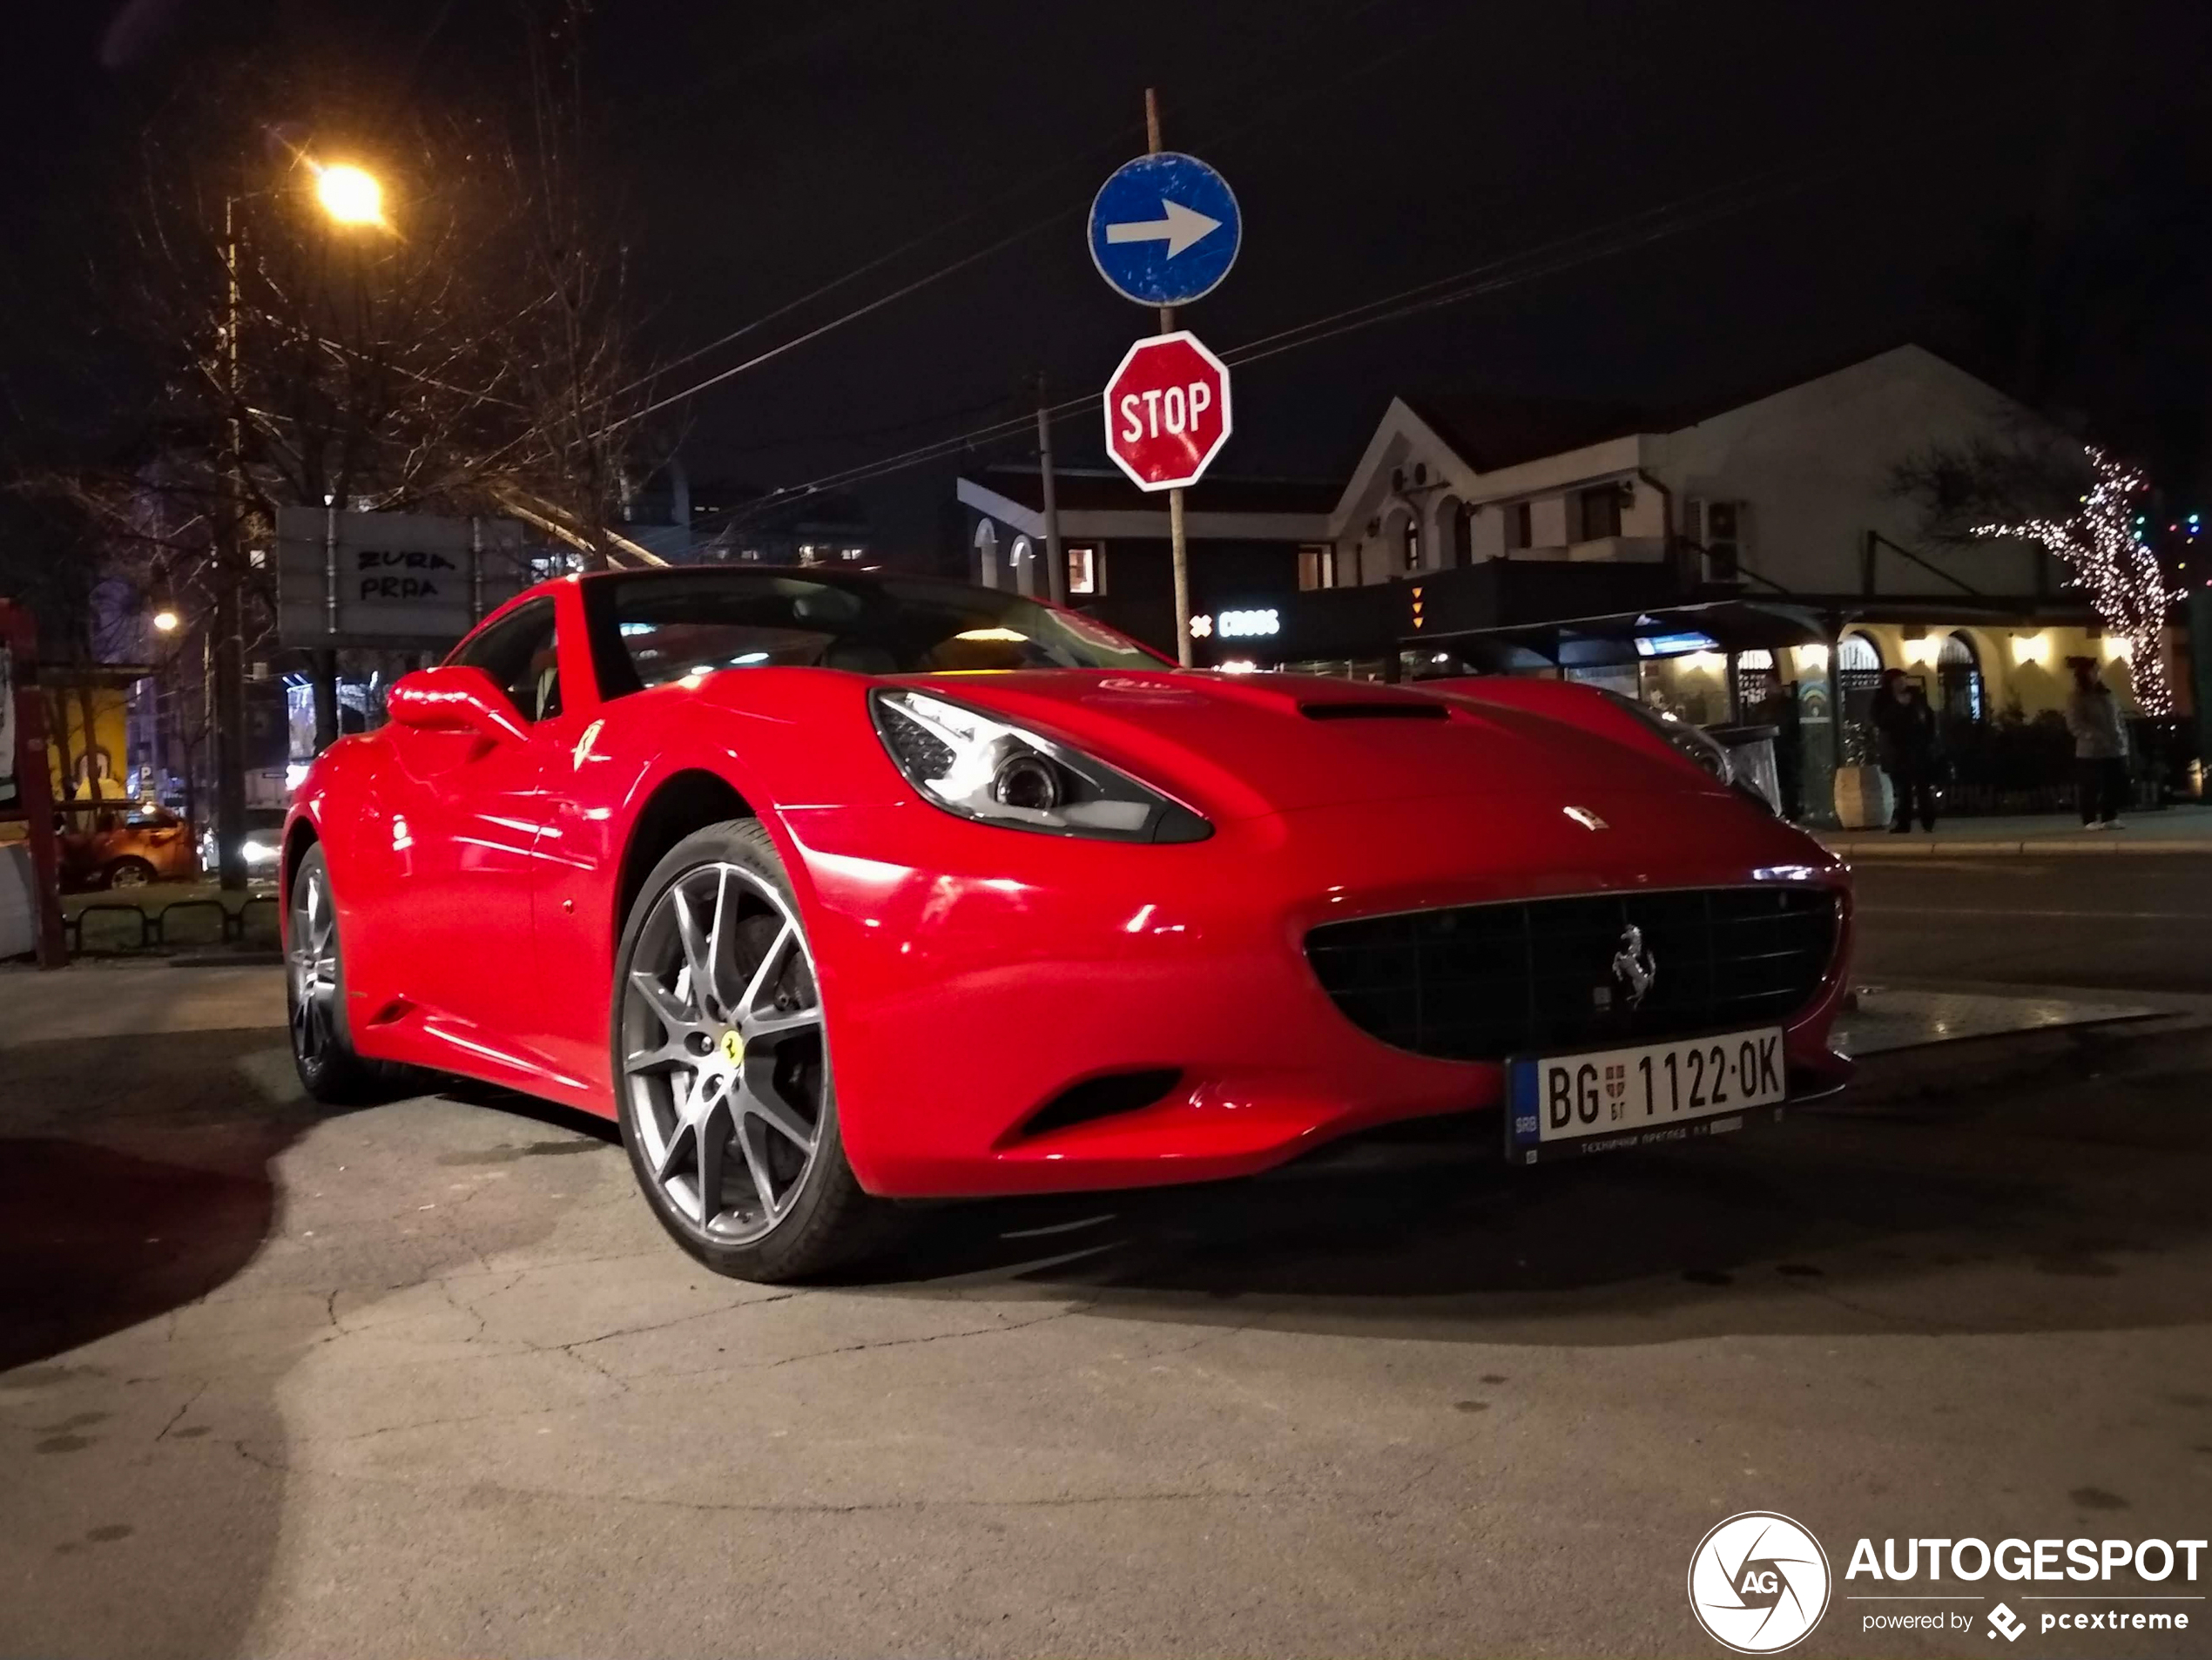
<point>1758,1583</point>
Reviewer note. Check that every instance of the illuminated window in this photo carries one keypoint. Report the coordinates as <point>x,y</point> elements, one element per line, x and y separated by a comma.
<point>1317,568</point>
<point>853,553</point>
<point>1086,572</point>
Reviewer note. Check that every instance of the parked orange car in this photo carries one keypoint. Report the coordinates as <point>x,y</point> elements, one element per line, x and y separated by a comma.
<point>122,844</point>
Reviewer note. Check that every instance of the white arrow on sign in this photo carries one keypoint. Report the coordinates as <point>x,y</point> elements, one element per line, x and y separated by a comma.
<point>1179,228</point>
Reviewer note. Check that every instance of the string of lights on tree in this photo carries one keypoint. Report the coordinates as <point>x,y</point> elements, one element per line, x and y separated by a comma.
<point>2127,585</point>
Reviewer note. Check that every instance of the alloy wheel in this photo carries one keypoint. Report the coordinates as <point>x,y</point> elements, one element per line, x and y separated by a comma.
<point>313,965</point>
<point>723,1054</point>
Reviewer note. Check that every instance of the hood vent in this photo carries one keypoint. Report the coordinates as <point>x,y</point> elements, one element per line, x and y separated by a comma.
<point>1376,710</point>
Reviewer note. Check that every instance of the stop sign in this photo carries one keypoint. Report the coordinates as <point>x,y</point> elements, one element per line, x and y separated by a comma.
<point>1167,411</point>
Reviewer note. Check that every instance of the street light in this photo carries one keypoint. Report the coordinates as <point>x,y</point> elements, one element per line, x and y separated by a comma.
<point>349,195</point>
<point>161,600</point>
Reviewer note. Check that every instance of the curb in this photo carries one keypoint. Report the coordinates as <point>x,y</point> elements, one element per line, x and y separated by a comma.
<point>2118,846</point>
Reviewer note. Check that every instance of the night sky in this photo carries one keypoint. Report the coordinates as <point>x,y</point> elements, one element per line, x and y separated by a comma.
<point>1894,151</point>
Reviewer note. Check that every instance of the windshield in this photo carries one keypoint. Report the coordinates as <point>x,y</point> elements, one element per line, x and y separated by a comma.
<point>649,630</point>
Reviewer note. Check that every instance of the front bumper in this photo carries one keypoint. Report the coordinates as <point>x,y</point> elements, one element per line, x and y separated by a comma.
<point>987,972</point>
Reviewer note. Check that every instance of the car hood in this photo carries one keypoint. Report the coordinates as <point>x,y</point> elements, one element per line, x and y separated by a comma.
<point>1240,746</point>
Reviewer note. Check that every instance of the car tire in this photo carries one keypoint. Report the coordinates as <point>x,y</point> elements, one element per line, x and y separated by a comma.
<point>784,1204</point>
<point>332,1071</point>
<point>129,873</point>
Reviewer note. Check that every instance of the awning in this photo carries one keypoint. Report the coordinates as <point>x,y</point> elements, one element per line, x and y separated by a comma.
<point>1631,637</point>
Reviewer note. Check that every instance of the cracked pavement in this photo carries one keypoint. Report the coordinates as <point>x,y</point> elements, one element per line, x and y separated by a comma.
<point>425,1376</point>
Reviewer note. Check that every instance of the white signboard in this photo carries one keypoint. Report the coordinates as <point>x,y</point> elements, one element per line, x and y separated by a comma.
<point>392,579</point>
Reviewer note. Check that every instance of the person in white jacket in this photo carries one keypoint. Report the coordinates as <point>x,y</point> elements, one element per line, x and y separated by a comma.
<point>2100,747</point>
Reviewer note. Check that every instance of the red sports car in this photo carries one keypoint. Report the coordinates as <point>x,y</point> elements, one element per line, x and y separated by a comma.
<point>835,889</point>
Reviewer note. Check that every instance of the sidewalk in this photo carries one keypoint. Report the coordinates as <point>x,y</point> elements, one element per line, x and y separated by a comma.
<point>93,1002</point>
<point>2169,830</point>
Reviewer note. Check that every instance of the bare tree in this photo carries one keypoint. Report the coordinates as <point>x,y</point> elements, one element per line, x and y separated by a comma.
<point>473,352</point>
<point>470,353</point>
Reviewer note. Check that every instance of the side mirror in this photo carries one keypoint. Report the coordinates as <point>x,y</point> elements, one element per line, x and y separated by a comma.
<point>455,698</point>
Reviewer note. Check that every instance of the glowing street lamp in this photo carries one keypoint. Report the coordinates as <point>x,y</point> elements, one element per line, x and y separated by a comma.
<point>165,621</point>
<point>348,194</point>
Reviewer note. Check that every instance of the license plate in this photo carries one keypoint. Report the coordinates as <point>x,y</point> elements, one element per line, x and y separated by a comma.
<point>1570,1105</point>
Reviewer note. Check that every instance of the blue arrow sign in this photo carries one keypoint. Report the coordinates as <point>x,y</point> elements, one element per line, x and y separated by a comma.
<point>1164,230</point>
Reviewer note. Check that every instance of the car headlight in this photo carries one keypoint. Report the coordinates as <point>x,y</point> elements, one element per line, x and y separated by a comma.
<point>982,768</point>
<point>260,853</point>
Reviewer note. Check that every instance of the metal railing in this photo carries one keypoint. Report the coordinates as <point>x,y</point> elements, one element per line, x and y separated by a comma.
<point>235,928</point>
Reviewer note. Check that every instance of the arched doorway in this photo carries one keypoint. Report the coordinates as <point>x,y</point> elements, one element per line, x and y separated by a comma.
<point>986,554</point>
<point>1022,557</point>
<point>1859,675</point>
<point>1402,537</point>
<point>1960,697</point>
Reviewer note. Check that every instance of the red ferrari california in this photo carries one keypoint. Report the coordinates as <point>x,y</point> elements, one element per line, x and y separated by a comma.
<point>839,889</point>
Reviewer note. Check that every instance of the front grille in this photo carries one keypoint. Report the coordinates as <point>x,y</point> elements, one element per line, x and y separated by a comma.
<point>1482,982</point>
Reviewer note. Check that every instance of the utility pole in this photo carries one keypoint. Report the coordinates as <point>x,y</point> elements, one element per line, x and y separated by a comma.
<point>1057,565</point>
<point>230,558</point>
<point>325,689</point>
<point>1176,538</point>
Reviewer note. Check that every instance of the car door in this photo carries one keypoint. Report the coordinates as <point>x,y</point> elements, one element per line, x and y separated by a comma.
<point>473,808</point>
<point>159,838</point>
<point>578,865</point>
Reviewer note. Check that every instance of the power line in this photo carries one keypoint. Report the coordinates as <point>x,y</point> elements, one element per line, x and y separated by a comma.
<point>1266,113</point>
<point>1584,247</point>
<point>882,259</point>
<point>1647,225</point>
<point>854,315</point>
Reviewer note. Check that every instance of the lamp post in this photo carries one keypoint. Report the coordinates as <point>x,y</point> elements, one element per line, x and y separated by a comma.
<point>349,196</point>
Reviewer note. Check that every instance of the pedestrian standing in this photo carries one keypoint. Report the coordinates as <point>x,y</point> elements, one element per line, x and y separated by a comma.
<point>2100,747</point>
<point>1906,748</point>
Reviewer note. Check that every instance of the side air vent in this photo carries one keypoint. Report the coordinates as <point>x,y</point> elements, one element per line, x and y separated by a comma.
<point>1101,1098</point>
<point>1374,712</point>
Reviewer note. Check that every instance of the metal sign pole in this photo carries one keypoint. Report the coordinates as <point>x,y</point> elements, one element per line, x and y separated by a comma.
<point>1057,586</point>
<point>1177,539</point>
<point>326,657</point>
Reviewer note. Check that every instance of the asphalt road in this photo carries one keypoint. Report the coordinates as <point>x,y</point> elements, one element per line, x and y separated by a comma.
<point>2123,924</point>
<point>425,1378</point>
